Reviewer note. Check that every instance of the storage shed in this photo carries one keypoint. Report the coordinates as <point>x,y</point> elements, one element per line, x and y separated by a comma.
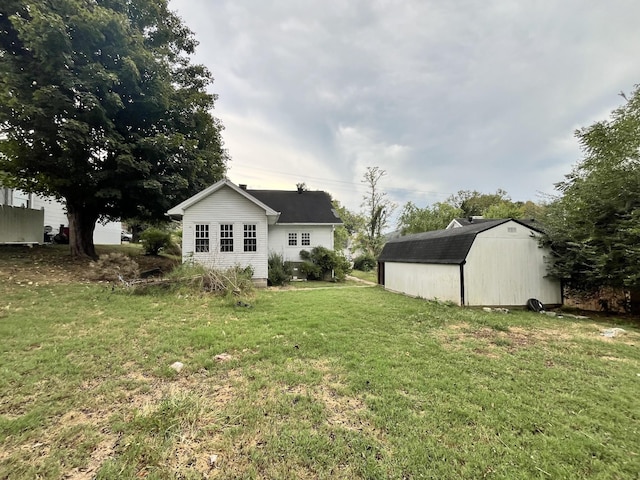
<point>491,263</point>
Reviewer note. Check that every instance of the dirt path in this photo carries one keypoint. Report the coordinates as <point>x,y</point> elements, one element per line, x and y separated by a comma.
<point>356,279</point>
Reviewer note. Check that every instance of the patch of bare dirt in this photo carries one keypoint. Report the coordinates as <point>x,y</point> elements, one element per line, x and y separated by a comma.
<point>53,264</point>
<point>515,338</point>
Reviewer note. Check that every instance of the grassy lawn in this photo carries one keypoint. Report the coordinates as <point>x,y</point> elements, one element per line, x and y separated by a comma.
<point>371,276</point>
<point>317,383</point>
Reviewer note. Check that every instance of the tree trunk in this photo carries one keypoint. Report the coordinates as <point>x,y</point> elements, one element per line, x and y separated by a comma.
<point>81,226</point>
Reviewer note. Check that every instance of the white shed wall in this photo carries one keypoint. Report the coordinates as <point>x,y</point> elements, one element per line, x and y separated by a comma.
<point>320,236</point>
<point>226,206</point>
<point>423,280</point>
<point>506,266</point>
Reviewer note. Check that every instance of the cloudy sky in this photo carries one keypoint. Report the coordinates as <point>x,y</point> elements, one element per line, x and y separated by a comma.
<point>444,95</point>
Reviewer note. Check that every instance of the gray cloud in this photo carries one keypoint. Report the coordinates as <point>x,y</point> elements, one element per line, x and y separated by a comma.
<point>442,95</point>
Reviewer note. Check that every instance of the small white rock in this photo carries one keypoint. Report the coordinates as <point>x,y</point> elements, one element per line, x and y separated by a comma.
<point>177,366</point>
<point>213,459</point>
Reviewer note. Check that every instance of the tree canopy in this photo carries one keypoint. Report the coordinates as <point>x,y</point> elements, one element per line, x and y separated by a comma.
<point>352,224</point>
<point>436,217</point>
<point>464,204</point>
<point>594,227</point>
<point>101,107</point>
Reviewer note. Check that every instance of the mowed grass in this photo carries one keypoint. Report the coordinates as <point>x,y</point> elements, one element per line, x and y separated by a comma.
<point>318,383</point>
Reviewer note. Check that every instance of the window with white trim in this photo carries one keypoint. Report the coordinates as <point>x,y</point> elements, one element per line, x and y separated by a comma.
<point>293,239</point>
<point>305,239</point>
<point>250,237</point>
<point>226,237</point>
<point>202,237</point>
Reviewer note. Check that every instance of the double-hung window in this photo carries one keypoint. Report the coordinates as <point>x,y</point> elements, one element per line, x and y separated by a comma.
<point>226,237</point>
<point>202,238</point>
<point>305,238</point>
<point>250,238</point>
<point>293,239</point>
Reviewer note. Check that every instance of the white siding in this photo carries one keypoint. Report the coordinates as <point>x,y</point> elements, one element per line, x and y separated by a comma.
<point>507,268</point>
<point>430,281</point>
<point>55,215</point>
<point>20,225</point>
<point>320,236</point>
<point>54,212</point>
<point>225,206</point>
<point>108,234</point>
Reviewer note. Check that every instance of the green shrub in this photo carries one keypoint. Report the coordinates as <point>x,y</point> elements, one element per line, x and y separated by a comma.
<point>280,272</point>
<point>321,262</point>
<point>364,263</point>
<point>153,240</point>
<point>310,270</point>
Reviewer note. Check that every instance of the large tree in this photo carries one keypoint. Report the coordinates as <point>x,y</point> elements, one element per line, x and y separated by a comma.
<point>414,219</point>
<point>352,225</point>
<point>474,203</point>
<point>377,211</point>
<point>594,227</point>
<point>101,107</point>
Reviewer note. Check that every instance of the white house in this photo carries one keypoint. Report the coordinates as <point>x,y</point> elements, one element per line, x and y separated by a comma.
<point>227,225</point>
<point>488,263</point>
<point>25,216</point>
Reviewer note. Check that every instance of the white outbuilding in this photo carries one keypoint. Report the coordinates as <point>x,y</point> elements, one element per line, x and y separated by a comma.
<point>484,263</point>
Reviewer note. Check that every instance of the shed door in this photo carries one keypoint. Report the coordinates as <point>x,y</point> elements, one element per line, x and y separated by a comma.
<point>381,273</point>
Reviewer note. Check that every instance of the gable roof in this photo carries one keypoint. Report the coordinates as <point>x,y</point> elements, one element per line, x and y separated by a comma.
<point>280,206</point>
<point>439,246</point>
<point>178,210</point>
<point>304,207</point>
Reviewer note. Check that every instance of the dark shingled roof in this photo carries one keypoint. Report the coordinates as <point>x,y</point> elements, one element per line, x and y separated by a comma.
<point>439,246</point>
<point>294,207</point>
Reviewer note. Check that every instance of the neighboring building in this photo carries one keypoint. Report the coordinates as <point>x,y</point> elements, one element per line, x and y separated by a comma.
<point>486,263</point>
<point>476,219</point>
<point>463,222</point>
<point>226,225</point>
<point>21,224</point>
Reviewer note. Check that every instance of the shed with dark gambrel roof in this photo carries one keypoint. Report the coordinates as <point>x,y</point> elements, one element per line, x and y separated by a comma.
<point>489,263</point>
